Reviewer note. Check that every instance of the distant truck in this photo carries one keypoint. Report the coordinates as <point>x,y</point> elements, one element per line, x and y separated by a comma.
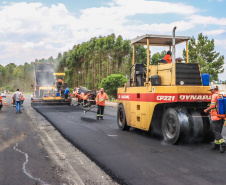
<point>47,88</point>
<point>6,91</point>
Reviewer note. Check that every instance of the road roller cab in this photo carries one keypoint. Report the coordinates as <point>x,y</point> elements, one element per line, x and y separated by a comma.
<point>166,98</point>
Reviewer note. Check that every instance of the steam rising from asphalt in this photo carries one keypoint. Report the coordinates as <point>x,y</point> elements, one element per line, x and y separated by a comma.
<point>44,75</point>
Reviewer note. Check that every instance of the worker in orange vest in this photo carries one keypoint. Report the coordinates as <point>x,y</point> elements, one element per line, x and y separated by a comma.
<point>60,80</point>
<point>22,99</point>
<point>168,57</point>
<point>100,101</point>
<point>75,92</point>
<point>13,101</point>
<point>82,96</point>
<point>217,120</point>
<point>80,99</point>
<point>1,104</point>
<point>85,98</point>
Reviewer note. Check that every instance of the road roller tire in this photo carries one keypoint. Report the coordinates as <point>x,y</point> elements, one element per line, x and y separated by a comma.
<point>208,135</point>
<point>121,118</point>
<point>175,125</point>
<point>197,126</point>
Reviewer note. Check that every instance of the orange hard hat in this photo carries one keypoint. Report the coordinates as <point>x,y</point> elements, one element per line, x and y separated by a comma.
<point>102,89</point>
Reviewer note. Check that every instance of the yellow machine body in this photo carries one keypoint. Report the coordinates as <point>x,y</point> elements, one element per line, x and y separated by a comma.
<point>140,102</point>
<point>170,96</point>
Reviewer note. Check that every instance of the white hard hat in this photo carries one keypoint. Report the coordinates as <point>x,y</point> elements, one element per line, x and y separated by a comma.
<point>213,87</point>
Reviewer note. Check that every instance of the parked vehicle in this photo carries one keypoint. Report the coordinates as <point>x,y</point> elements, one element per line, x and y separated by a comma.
<point>3,94</point>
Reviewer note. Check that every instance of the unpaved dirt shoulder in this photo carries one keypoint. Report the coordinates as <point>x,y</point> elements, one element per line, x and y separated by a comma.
<point>72,166</point>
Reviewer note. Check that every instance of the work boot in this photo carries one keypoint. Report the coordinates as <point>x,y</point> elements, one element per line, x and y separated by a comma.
<point>223,148</point>
<point>16,112</point>
<point>19,111</point>
<point>216,147</point>
<point>97,117</point>
<point>101,118</point>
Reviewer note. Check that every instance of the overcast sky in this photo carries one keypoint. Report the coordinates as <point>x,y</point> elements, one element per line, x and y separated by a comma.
<point>32,30</point>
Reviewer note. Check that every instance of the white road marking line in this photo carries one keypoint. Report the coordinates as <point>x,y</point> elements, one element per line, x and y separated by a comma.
<point>24,166</point>
<point>112,135</point>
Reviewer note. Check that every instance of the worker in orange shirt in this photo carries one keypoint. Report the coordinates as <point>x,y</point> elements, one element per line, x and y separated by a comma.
<point>85,98</point>
<point>80,98</point>
<point>22,99</point>
<point>100,101</point>
<point>60,80</point>
<point>217,120</point>
<point>1,104</point>
<point>168,57</point>
<point>75,92</point>
<point>13,101</point>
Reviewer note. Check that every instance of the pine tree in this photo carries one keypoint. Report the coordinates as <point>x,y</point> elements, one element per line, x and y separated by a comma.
<point>201,51</point>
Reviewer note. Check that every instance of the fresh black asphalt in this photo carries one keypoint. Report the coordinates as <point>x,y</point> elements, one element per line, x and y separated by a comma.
<point>135,157</point>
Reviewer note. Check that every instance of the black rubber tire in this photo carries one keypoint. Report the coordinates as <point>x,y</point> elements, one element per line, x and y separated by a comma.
<point>198,125</point>
<point>208,135</point>
<point>175,125</point>
<point>121,118</point>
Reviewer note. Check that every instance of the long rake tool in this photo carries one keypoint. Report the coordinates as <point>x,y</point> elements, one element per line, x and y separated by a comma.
<point>85,111</point>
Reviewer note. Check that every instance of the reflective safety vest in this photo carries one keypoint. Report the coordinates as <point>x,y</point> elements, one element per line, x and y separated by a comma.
<point>82,95</point>
<point>22,97</point>
<point>168,58</point>
<point>214,114</point>
<point>85,97</point>
<point>100,99</point>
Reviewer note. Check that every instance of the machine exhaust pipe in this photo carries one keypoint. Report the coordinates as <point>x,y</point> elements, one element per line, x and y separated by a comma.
<point>173,41</point>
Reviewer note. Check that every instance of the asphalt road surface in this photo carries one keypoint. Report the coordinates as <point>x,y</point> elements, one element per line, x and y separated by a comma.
<point>134,157</point>
<point>22,157</point>
<point>32,152</point>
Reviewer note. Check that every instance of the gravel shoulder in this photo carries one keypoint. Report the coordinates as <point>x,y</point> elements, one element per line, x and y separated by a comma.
<point>67,163</point>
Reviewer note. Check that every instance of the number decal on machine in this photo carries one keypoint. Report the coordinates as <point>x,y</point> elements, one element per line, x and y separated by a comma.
<point>165,98</point>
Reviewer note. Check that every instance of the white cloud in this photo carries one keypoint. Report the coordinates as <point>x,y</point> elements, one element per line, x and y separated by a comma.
<point>214,32</point>
<point>207,20</point>
<point>39,30</point>
<point>220,43</point>
<point>28,45</point>
<point>35,31</point>
<point>153,7</point>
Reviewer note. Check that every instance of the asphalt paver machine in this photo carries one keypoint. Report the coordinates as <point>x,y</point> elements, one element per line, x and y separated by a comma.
<point>47,89</point>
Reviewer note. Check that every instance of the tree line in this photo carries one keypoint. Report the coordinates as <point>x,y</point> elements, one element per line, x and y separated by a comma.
<point>13,77</point>
<point>88,63</point>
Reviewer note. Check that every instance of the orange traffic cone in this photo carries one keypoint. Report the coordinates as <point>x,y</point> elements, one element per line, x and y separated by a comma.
<point>5,102</point>
<point>12,102</point>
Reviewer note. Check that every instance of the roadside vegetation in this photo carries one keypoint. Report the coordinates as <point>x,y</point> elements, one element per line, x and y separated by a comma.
<point>94,63</point>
